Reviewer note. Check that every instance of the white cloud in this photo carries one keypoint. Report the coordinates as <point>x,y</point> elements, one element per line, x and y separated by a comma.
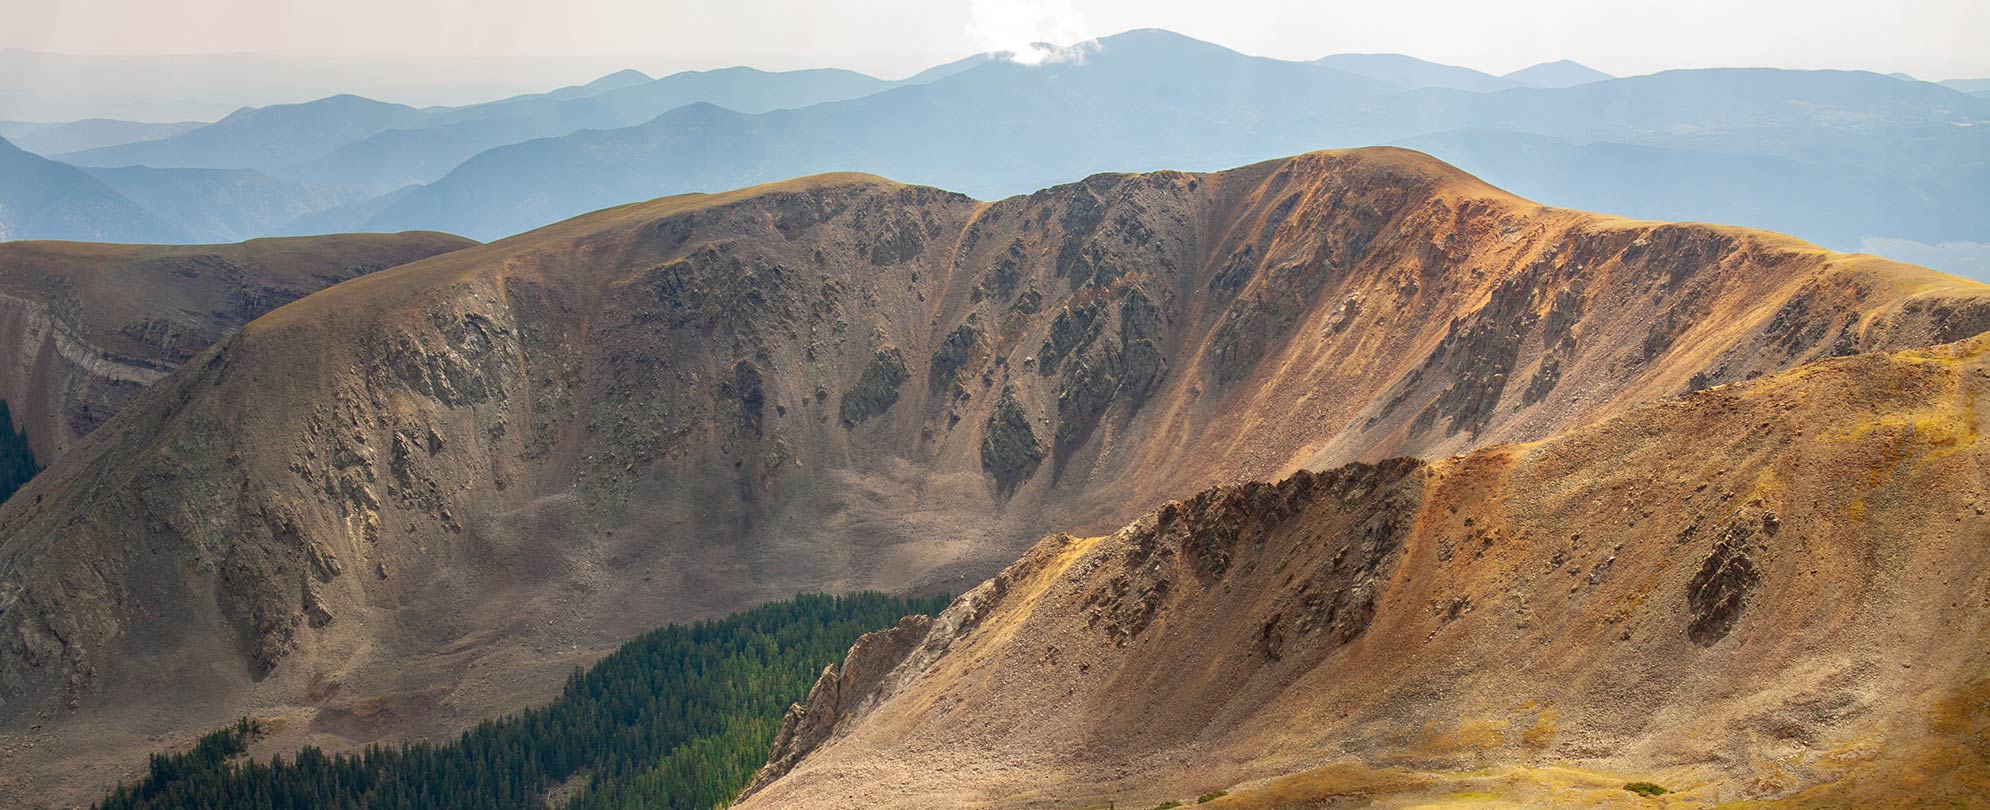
<point>1029,32</point>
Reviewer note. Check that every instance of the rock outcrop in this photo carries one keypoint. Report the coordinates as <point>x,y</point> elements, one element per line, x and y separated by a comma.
<point>1772,592</point>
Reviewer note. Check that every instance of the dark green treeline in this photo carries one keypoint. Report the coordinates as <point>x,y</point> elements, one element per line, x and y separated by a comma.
<point>17,462</point>
<point>679,718</point>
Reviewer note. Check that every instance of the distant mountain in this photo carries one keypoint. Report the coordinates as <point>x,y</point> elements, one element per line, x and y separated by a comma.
<point>348,218</point>
<point>261,138</point>
<point>1974,87</point>
<point>1561,73</point>
<point>613,81</point>
<point>1143,99</point>
<point>372,147</point>
<point>91,133</point>
<point>1831,203</point>
<point>44,199</point>
<point>1879,157</point>
<point>221,205</point>
<point>1834,156</point>
<point>743,89</point>
<point>1410,72</point>
<point>398,157</point>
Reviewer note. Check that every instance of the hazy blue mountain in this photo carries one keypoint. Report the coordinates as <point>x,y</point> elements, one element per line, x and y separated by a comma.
<point>1833,204</point>
<point>1409,72</point>
<point>1726,109</point>
<point>1837,157</point>
<point>1966,259</point>
<point>613,81</point>
<point>742,89</point>
<point>44,199</point>
<point>617,102</point>
<point>400,157</point>
<point>261,138</point>
<point>221,205</point>
<point>941,71</point>
<point>1560,73</point>
<point>1971,86</point>
<point>1144,99</point>
<point>348,218</point>
<point>1832,156</point>
<point>90,133</point>
<point>397,157</point>
<point>369,148</point>
<point>708,148</point>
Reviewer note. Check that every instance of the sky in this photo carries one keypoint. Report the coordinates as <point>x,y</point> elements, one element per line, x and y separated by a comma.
<point>455,51</point>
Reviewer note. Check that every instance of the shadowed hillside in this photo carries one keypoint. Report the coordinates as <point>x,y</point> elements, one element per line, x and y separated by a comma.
<point>421,497</point>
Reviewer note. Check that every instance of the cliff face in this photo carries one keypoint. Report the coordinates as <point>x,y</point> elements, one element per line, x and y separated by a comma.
<point>1774,590</point>
<point>423,496</point>
<point>87,325</point>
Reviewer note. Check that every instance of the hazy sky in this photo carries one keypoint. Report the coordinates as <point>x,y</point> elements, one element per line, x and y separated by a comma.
<point>1931,38</point>
<point>570,40</point>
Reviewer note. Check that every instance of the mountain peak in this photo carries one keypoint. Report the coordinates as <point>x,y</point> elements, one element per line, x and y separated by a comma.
<point>1559,73</point>
<point>621,78</point>
<point>1155,38</point>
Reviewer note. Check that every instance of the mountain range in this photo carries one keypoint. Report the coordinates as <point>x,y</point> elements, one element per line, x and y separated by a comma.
<point>89,133</point>
<point>421,497</point>
<point>1727,137</point>
<point>1836,157</point>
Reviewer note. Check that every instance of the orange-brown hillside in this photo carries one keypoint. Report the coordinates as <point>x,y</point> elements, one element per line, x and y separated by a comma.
<point>88,325</point>
<point>421,497</point>
<point>1768,591</point>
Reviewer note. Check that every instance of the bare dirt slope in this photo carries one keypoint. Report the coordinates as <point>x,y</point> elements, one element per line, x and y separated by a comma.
<point>84,326</point>
<point>1774,590</point>
<point>421,497</point>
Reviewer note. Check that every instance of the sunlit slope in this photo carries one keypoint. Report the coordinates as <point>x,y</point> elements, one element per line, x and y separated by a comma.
<point>1770,591</point>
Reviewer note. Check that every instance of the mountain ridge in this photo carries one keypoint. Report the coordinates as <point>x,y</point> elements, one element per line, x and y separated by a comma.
<point>999,129</point>
<point>1558,73</point>
<point>421,497</point>
<point>1718,593</point>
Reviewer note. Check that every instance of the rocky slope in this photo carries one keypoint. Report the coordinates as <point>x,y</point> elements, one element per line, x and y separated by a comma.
<point>1773,590</point>
<point>87,326</point>
<point>421,497</point>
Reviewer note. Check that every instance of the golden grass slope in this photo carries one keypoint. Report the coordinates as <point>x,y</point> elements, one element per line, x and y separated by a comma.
<point>1774,593</point>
